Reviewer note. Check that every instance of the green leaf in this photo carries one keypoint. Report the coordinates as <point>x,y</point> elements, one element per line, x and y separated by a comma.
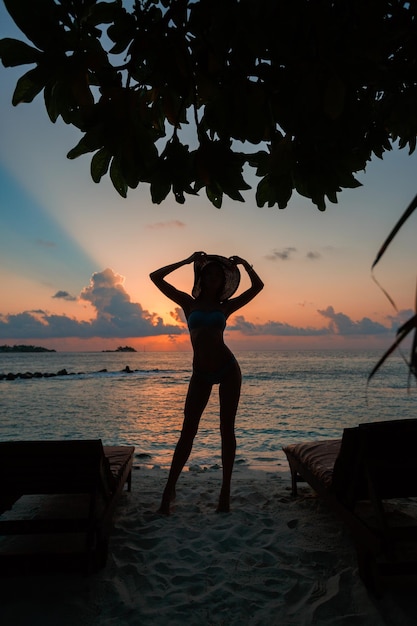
<point>215,195</point>
<point>58,101</point>
<point>160,188</point>
<point>29,85</point>
<point>100,164</point>
<point>179,193</point>
<point>332,196</point>
<point>283,191</point>
<point>39,20</point>
<point>91,142</point>
<point>234,194</point>
<point>264,192</point>
<point>14,52</point>
<point>260,160</point>
<point>51,103</point>
<point>273,190</point>
<point>117,177</point>
<point>319,201</point>
<point>347,179</point>
<point>334,97</point>
<point>103,12</point>
<point>121,31</point>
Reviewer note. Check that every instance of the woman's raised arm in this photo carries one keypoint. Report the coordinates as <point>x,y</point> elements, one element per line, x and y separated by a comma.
<point>248,295</point>
<point>158,278</point>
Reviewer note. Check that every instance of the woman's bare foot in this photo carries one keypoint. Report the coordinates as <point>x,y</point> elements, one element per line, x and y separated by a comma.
<point>224,502</point>
<point>167,497</point>
<point>164,509</point>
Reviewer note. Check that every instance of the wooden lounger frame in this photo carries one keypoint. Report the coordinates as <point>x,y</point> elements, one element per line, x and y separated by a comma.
<point>357,476</point>
<point>79,482</point>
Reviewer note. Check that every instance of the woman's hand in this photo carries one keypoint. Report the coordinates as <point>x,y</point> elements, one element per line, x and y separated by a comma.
<point>237,260</point>
<point>255,288</point>
<point>195,256</point>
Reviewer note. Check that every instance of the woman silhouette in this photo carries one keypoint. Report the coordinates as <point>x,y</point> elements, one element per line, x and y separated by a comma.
<point>206,311</point>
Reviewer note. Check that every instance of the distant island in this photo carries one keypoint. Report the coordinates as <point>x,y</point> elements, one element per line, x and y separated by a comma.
<point>23,348</point>
<point>121,349</point>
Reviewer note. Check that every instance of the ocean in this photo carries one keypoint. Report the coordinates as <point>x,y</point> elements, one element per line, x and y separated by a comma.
<point>287,396</point>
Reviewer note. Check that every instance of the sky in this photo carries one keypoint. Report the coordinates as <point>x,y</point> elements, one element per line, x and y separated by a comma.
<point>75,257</point>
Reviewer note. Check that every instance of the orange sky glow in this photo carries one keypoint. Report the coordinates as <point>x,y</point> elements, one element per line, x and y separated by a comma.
<point>75,258</point>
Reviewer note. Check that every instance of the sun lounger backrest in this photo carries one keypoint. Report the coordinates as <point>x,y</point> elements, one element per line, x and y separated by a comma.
<point>52,467</point>
<point>390,457</point>
<point>384,453</point>
<point>348,476</point>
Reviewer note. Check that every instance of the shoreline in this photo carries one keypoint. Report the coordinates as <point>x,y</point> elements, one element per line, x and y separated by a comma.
<point>278,464</point>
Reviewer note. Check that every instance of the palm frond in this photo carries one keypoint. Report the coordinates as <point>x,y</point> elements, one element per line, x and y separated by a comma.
<point>409,210</point>
<point>413,359</point>
<point>402,333</point>
<point>411,324</point>
<point>413,355</point>
<point>386,294</point>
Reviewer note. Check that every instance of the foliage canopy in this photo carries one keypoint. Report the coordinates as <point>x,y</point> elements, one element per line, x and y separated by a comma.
<point>301,92</point>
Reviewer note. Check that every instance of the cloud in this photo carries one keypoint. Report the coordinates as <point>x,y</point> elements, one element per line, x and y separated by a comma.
<point>178,315</point>
<point>313,256</point>
<point>286,254</point>
<point>64,295</point>
<point>341,324</point>
<point>338,324</point>
<point>281,255</point>
<point>116,316</point>
<point>400,318</point>
<point>305,304</point>
<point>278,329</point>
<point>170,224</point>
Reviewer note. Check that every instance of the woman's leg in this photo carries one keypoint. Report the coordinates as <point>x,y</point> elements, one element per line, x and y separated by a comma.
<point>196,401</point>
<point>229,393</point>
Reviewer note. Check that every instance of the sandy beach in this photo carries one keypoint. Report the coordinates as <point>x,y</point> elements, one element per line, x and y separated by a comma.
<point>272,560</point>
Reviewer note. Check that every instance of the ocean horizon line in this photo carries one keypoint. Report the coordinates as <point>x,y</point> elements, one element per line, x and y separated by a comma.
<point>189,350</point>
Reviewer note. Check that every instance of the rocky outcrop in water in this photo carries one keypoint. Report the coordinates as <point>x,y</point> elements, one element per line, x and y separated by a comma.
<point>122,349</point>
<point>62,372</point>
<point>29,375</point>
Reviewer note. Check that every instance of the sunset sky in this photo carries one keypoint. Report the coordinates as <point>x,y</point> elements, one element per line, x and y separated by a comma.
<point>76,257</point>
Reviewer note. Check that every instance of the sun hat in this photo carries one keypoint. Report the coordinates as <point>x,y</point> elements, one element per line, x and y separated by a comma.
<point>231,274</point>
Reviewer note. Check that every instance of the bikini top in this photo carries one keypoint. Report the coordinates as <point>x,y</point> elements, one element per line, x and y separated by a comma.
<point>206,319</point>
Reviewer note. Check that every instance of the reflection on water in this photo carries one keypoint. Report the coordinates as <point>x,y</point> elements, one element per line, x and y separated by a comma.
<point>286,396</point>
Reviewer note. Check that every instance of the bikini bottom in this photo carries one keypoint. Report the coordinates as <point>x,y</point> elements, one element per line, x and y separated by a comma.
<point>215,377</point>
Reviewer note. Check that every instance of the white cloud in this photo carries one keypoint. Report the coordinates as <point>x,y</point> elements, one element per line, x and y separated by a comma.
<point>116,316</point>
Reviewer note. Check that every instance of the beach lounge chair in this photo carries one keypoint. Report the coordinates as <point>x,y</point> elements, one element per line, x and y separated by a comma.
<point>368,477</point>
<point>57,500</point>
